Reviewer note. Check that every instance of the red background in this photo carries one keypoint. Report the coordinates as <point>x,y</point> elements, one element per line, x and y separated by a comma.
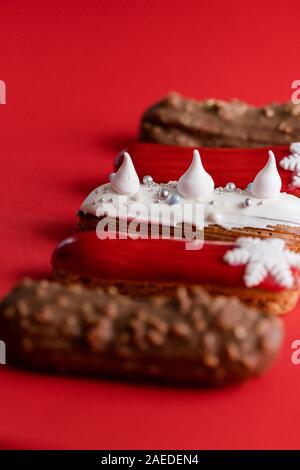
<point>78,75</point>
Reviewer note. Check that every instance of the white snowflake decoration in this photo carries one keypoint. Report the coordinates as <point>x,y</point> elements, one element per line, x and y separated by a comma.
<point>292,163</point>
<point>263,258</point>
<point>295,148</point>
<point>296,180</point>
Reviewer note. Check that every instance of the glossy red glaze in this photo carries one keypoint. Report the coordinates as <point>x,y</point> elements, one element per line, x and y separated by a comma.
<point>169,162</point>
<point>148,260</point>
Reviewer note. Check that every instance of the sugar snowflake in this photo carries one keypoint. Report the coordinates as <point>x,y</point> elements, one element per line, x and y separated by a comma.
<point>292,163</point>
<point>263,258</point>
<point>296,180</point>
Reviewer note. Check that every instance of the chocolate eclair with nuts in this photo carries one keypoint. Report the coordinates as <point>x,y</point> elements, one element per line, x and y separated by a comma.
<point>191,339</point>
<point>218,123</point>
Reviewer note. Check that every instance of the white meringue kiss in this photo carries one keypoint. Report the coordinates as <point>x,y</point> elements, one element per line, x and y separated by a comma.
<point>267,183</point>
<point>126,180</point>
<point>196,182</point>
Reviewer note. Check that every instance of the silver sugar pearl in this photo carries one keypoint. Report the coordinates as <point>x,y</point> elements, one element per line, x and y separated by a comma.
<point>212,203</point>
<point>230,187</point>
<point>174,199</point>
<point>248,202</point>
<point>111,176</point>
<point>164,193</point>
<point>101,199</point>
<point>105,189</point>
<point>147,179</point>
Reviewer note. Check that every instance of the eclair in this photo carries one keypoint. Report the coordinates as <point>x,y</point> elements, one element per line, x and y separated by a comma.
<point>262,273</point>
<point>179,120</point>
<point>190,339</point>
<point>260,203</point>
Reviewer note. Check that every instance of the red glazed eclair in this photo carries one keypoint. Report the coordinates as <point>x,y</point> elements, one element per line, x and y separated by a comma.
<point>262,273</point>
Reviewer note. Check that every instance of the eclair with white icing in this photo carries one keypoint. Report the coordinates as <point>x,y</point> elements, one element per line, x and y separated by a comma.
<point>266,208</point>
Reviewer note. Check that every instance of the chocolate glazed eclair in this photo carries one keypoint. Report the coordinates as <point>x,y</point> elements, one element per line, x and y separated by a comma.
<point>217,123</point>
<point>191,339</point>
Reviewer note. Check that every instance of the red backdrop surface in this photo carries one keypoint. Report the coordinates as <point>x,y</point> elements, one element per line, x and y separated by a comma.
<point>78,76</point>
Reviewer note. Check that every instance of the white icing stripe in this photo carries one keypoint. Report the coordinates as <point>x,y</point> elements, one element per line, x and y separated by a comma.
<point>228,210</point>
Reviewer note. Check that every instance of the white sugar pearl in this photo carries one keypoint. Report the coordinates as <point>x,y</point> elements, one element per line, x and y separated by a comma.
<point>248,202</point>
<point>164,193</point>
<point>230,187</point>
<point>147,179</point>
<point>174,199</point>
